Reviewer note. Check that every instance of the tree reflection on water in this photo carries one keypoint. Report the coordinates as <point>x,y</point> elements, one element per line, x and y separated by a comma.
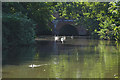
<point>77,58</point>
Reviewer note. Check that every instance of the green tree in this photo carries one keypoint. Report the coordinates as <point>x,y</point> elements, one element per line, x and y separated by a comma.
<point>100,18</point>
<point>17,30</point>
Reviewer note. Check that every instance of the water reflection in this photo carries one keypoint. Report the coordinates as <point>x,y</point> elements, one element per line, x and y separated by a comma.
<point>77,58</point>
<point>17,55</point>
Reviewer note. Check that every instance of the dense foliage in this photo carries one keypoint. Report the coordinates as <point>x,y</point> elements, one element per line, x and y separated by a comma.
<point>38,12</point>
<point>17,29</point>
<point>23,21</point>
<point>110,25</point>
<point>100,18</point>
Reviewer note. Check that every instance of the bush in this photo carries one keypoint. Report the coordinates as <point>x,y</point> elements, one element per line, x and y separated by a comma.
<point>17,30</point>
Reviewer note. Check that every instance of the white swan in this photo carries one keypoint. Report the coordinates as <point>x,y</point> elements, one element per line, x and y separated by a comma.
<point>34,66</point>
<point>71,37</point>
<point>56,38</point>
<point>63,39</point>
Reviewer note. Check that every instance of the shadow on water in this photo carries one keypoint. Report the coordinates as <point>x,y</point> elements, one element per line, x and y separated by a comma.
<point>17,55</point>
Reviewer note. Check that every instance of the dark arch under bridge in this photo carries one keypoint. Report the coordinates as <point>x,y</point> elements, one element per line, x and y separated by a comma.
<point>59,23</point>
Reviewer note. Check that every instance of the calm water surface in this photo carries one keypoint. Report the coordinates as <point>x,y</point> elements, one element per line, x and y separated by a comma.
<point>75,58</point>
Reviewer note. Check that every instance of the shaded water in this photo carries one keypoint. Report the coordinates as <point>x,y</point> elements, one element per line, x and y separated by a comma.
<point>75,58</point>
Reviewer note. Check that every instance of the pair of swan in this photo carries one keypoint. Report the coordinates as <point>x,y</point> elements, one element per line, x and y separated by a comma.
<point>62,39</point>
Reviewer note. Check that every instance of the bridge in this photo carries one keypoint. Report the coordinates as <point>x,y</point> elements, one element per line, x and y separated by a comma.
<point>59,23</point>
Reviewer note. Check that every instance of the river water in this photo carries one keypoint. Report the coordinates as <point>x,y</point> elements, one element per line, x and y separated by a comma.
<point>80,57</point>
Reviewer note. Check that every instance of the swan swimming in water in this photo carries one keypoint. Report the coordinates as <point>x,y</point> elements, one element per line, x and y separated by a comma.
<point>71,37</point>
<point>56,38</point>
<point>35,66</point>
<point>63,39</point>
